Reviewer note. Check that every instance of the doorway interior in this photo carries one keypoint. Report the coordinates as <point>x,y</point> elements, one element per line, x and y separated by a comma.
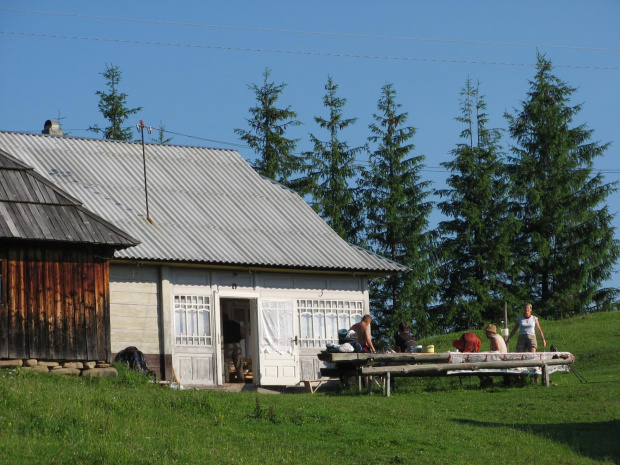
<point>239,310</point>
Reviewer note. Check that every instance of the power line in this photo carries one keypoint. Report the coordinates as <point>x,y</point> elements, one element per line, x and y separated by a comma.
<point>429,169</point>
<point>314,33</point>
<point>228,144</point>
<point>297,52</point>
<point>435,169</point>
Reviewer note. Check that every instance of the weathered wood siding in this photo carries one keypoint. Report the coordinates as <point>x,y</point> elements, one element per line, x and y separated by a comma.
<point>57,305</point>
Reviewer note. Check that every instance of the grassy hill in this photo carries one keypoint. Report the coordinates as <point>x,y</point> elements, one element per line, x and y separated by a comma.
<point>56,419</point>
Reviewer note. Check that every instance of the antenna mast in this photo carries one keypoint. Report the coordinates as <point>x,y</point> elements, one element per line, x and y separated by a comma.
<point>140,127</point>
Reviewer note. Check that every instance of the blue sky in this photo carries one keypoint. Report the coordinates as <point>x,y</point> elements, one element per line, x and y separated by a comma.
<point>189,64</point>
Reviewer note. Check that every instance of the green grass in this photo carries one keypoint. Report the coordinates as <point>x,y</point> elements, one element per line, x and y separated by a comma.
<point>58,419</point>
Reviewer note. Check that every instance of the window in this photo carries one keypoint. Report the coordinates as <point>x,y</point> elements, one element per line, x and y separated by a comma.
<point>320,320</point>
<point>192,316</point>
<point>278,327</point>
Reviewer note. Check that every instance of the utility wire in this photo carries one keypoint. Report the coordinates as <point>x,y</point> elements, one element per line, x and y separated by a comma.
<point>430,169</point>
<point>314,33</point>
<point>296,52</point>
<point>228,144</point>
<point>426,169</point>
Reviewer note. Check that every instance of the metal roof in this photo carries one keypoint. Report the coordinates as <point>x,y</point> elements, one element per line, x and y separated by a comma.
<point>205,205</point>
<point>33,208</point>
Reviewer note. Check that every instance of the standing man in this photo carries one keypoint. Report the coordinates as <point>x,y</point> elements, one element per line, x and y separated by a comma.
<point>362,329</point>
<point>497,342</point>
<point>232,348</point>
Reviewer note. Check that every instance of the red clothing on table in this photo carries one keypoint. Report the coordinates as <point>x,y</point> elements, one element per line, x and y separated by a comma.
<point>468,342</point>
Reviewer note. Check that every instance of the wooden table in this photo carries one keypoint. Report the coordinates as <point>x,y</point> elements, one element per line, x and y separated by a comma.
<point>385,366</point>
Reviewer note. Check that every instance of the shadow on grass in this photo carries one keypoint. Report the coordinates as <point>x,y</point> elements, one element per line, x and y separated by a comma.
<point>598,441</point>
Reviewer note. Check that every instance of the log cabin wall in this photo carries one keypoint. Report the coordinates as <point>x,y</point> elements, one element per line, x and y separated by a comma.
<point>54,303</point>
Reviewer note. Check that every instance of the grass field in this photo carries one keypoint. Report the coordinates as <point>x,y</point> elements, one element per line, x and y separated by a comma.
<point>57,419</point>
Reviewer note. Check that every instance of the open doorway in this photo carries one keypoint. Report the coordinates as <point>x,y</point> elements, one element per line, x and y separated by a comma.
<point>237,311</point>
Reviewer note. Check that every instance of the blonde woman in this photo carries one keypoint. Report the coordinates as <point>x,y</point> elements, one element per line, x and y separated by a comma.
<point>527,324</point>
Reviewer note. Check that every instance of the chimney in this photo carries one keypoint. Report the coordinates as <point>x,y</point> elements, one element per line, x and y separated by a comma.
<point>52,127</point>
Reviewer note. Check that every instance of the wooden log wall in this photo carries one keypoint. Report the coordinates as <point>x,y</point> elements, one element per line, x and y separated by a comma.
<point>56,305</point>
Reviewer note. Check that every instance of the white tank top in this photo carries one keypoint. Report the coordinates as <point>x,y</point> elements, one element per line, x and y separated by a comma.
<point>527,325</point>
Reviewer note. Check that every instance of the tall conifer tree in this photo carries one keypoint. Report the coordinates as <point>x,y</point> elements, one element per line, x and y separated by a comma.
<point>476,240</point>
<point>331,168</point>
<point>567,243</point>
<point>113,107</point>
<point>276,158</point>
<point>397,220</point>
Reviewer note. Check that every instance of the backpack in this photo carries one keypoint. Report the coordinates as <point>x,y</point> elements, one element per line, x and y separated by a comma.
<point>357,347</point>
<point>346,335</point>
<point>134,359</point>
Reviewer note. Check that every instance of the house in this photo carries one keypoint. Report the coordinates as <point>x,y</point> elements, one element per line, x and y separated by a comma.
<point>216,238</point>
<point>54,286</point>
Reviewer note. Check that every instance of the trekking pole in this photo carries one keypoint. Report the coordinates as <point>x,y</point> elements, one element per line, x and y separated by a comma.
<point>571,368</point>
<point>579,376</point>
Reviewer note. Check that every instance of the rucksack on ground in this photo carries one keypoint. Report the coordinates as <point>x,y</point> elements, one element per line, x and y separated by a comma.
<point>134,359</point>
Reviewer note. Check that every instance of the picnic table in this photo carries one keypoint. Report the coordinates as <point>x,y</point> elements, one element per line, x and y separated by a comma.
<point>385,366</point>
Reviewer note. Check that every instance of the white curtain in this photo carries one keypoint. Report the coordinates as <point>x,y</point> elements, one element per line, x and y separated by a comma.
<point>278,330</point>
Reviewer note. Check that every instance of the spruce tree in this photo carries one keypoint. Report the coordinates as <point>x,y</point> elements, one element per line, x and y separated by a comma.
<point>477,265</point>
<point>567,242</point>
<point>276,158</point>
<point>397,219</point>
<point>161,138</point>
<point>113,107</point>
<point>331,168</point>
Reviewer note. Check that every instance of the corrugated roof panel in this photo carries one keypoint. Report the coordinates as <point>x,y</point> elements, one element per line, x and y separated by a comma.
<point>206,205</point>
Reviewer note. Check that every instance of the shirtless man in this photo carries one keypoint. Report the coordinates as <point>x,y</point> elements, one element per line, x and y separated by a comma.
<point>497,342</point>
<point>362,329</point>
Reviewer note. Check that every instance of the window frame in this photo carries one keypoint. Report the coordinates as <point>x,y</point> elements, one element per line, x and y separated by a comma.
<point>193,303</point>
<point>316,319</point>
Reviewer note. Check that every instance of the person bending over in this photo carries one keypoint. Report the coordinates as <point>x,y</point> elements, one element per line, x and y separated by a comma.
<point>362,329</point>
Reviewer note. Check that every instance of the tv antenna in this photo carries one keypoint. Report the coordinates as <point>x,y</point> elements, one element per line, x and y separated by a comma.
<point>140,127</point>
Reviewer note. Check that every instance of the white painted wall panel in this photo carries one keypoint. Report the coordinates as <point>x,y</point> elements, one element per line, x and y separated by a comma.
<point>143,288</point>
<point>190,277</point>
<point>147,324</point>
<point>127,295</point>
<point>133,308</point>
<point>132,273</point>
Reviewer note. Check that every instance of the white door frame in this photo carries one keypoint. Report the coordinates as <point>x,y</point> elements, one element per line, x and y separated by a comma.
<point>219,359</point>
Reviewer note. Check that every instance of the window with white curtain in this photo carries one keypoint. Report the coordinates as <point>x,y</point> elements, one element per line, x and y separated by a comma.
<point>278,331</point>
<point>320,320</point>
<point>192,320</point>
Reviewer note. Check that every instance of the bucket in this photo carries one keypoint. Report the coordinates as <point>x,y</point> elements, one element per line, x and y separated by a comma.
<point>430,349</point>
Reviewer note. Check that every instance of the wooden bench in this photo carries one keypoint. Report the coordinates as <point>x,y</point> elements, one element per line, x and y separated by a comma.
<point>312,385</point>
<point>331,374</point>
<point>461,369</point>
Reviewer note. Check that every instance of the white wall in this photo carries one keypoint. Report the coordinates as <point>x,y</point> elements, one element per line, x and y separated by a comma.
<point>134,308</point>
